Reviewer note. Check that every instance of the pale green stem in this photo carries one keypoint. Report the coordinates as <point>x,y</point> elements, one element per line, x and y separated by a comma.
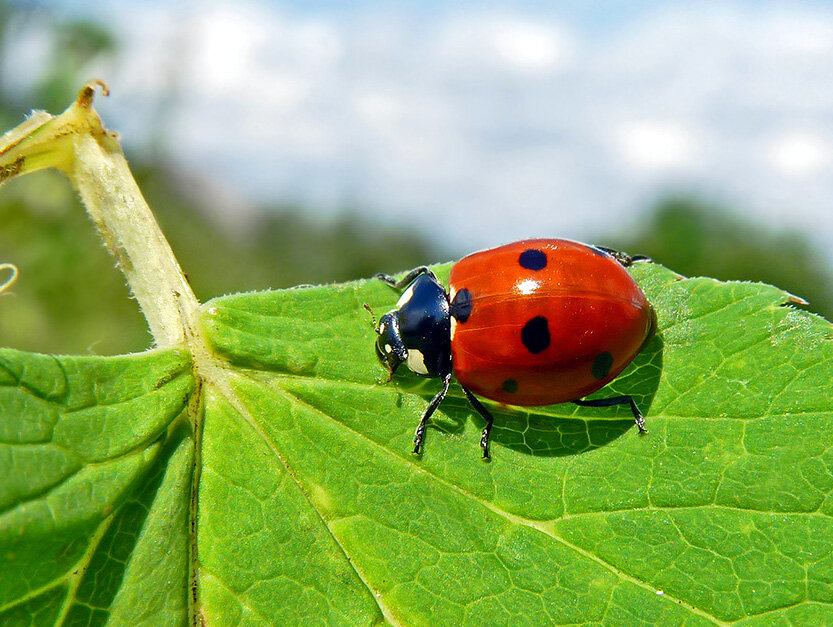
<point>76,143</point>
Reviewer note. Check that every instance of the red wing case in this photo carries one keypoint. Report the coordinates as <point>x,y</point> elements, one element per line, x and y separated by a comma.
<point>544,321</point>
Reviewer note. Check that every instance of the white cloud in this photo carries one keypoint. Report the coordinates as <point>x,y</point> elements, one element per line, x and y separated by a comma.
<point>799,154</point>
<point>493,125</point>
<point>497,43</point>
<point>529,46</point>
<point>654,146</point>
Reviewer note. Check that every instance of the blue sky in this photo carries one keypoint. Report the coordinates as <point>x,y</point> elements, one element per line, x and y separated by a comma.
<point>486,122</point>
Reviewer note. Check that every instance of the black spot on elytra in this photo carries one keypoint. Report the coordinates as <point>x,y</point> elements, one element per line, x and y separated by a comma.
<point>510,386</point>
<point>461,305</point>
<point>536,335</point>
<point>533,259</point>
<point>601,365</point>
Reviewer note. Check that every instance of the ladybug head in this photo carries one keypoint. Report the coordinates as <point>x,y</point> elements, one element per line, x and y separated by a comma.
<point>389,344</point>
<point>418,331</point>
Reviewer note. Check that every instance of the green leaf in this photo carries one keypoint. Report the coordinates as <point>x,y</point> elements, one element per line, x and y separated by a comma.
<point>311,508</point>
<point>95,502</point>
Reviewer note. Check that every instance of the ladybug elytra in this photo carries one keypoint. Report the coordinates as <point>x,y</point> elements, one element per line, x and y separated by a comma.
<point>532,323</point>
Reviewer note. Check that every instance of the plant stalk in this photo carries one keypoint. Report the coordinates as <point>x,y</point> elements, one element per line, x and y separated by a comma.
<point>77,144</point>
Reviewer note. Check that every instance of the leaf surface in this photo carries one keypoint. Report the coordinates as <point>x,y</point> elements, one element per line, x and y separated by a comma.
<point>723,506</point>
<point>311,508</point>
<point>95,504</point>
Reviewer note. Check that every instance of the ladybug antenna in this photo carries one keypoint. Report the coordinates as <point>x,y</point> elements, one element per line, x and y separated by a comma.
<point>372,316</point>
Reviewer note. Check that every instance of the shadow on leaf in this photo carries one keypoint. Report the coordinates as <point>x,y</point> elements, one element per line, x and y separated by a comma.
<point>554,430</point>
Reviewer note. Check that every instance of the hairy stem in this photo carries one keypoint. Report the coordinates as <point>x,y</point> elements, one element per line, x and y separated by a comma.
<point>77,144</point>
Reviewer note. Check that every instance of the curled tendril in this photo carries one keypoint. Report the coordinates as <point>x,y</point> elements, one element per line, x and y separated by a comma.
<point>87,93</point>
<point>11,278</point>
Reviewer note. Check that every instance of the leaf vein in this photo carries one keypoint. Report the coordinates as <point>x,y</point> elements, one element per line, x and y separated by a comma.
<point>240,407</point>
<point>512,518</point>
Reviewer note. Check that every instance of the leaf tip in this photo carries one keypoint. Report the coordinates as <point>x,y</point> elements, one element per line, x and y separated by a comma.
<point>792,299</point>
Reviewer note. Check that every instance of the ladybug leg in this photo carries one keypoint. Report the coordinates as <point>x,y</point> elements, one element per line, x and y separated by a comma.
<point>638,418</point>
<point>419,436</point>
<point>487,416</point>
<point>624,258</point>
<point>407,279</point>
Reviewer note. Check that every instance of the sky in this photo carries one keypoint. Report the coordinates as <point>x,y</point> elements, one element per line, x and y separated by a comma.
<point>480,123</point>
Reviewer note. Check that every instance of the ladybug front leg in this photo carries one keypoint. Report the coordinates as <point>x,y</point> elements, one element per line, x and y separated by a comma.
<point>487,416</point>
<point>419,436</point>
<point>407,279</point>
<point>638,418</point>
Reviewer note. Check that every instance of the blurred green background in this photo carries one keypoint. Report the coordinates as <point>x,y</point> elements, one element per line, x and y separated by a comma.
<point>69,298</point>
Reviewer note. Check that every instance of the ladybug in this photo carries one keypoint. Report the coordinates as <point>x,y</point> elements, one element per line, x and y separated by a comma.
<point>535,322</point>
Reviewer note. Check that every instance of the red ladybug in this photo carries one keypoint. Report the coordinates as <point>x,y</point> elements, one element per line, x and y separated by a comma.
<point>536,322</point>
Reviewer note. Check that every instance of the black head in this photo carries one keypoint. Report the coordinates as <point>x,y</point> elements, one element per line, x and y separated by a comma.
<point>418,331</point>
<point>389,344</point>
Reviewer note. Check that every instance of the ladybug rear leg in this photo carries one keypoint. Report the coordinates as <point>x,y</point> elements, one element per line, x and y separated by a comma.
<point>419,436</point>
<point>624,258</point>
<point>487,416</point>
<point>638,418</point>
<point>407,279</point>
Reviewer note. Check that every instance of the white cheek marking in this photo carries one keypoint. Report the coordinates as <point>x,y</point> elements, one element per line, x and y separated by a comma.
<point>407,295</point>
<point>387,348</point>
<point>416,361</point>
<point>381,328</point>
